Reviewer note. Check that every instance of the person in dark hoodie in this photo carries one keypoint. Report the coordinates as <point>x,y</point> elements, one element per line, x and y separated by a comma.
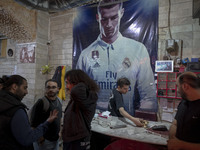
<point>15,130</point>
<point>80,110</point>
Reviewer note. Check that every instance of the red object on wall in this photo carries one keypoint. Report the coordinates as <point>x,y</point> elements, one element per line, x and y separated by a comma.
<point>166,85</point>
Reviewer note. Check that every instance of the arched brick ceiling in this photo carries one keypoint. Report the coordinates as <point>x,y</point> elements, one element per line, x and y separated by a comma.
<point>54,5</point>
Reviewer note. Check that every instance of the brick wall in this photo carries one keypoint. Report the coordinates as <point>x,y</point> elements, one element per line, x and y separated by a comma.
<point>57,30</point>
<point>183,27</point>
<point>31,71</point>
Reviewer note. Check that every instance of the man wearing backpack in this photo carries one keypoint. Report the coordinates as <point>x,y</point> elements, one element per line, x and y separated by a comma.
<point>41,111</point>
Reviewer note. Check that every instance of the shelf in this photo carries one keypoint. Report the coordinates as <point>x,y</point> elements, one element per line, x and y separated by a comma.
<point>168,95</point>
<point>172,97</point>
<point>166,85</point>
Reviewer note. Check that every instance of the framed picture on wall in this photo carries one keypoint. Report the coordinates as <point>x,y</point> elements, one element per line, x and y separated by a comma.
<point>164,66</point>
<point>27,52</point>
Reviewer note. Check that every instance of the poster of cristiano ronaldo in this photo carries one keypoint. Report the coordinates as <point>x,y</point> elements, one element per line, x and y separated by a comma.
<point>115,39</point>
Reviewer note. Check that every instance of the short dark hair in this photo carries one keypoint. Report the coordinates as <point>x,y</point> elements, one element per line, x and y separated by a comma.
<point>13,79</point>
<point>123,81</point>
<point>191,79</point>
<point>75,76</point>
<point>51,80</point>
<point>106,4</point>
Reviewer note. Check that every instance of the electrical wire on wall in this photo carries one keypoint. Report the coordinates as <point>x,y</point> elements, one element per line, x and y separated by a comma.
<point>170,34</point>
<point>173,47</point>
<point>170,45</point>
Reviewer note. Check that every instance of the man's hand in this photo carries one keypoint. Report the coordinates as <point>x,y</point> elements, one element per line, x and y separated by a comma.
<point>53,115</point>
<point>138,122</point>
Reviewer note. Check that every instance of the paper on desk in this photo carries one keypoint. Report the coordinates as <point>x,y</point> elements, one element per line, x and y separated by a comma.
<point>105,113</point>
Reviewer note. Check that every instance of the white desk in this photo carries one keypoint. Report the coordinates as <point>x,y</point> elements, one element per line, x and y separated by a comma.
<point>131,132</point>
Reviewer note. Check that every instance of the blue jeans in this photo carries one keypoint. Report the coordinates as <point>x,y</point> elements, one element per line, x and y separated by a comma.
<point>46,145</point>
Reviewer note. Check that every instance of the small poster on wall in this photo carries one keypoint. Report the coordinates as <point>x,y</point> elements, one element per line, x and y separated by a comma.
<point>27,52</point>
<point>164,66</point>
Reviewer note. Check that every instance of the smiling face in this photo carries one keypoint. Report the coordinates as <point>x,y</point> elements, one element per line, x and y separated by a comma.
<point>51,89</point>
<point>109,21</point>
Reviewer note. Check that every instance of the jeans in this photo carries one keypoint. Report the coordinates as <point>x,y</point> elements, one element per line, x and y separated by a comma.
<point>46,145</point>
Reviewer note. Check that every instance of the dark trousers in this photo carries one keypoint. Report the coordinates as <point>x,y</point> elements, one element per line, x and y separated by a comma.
<point>81,144</point>
<point>99,141</point>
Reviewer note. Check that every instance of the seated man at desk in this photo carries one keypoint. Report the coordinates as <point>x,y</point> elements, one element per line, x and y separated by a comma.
<point>116,103</point>
<point>184,133</point>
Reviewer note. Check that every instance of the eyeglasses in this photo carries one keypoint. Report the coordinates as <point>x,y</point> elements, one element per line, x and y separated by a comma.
<point>51,87</point>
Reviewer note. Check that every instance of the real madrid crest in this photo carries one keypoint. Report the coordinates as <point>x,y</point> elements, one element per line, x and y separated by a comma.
<point>95,58</point>
<point>126,63</point>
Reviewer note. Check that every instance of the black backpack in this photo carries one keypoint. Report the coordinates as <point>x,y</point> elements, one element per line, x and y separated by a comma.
<point>45,107</point>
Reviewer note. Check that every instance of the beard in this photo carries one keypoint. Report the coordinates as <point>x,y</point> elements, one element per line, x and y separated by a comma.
<point>20,94</point>
<point>183,94</point>
<point>52,94</point>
